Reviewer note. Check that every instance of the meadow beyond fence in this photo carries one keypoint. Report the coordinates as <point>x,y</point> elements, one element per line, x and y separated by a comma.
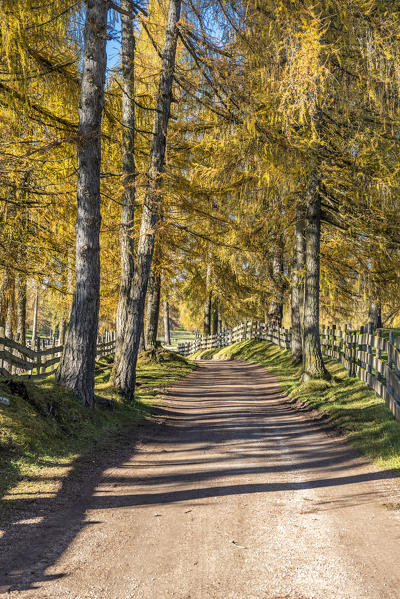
<point>374,359</point>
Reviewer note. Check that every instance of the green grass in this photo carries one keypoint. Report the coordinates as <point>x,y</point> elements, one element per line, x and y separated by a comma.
<point>354,408</point>
<point>45,428</point>
<point>179,336</point>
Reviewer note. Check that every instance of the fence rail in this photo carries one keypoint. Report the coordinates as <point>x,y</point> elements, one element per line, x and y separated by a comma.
<point>27,363</point>
<point>370,357</point>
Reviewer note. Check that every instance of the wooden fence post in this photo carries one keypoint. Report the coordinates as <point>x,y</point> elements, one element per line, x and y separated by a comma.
<point>43,369</point>
<point>391,341</point>
<point>379,355</point>
<point>340,344</point>
<point>390,365</point>
<point>362,348</point>
<point>369,347</point>
<point>346,346</point>
<point>353,354</point>
<point>397,346</point>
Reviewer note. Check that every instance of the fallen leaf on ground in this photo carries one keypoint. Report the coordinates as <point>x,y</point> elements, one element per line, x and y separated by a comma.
<point>239,546</point>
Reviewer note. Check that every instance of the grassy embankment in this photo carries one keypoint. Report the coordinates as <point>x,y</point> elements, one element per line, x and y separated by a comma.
<point>347,402</point>
<point>45,428</point>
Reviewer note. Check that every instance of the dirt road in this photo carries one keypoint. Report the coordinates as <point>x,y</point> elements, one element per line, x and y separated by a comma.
<point>232,494</point>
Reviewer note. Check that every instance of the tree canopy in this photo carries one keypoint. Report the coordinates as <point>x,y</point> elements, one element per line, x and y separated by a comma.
<point>280,121</point>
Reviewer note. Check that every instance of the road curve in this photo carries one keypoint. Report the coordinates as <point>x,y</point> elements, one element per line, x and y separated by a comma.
<point>232,494</point>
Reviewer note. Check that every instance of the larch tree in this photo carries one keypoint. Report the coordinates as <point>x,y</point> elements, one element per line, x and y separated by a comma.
<point>129,173</point>
<point>125,374</point>
<point>76,370</point>
<point>279,198</point>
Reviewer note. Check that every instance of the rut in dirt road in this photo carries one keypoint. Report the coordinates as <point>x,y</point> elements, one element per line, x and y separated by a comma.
<point>233,494</point>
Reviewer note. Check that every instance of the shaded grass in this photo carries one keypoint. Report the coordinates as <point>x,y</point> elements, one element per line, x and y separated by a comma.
<point>45,428</point>
<point>354,408</point>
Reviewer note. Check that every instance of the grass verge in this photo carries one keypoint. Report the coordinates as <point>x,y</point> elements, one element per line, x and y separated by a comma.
<point>45,428</point>
<point>354,408</point>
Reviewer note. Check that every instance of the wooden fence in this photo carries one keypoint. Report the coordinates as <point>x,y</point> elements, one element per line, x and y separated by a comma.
<point>27,363</point>
<point>372,358</point>
<point>245,330</point>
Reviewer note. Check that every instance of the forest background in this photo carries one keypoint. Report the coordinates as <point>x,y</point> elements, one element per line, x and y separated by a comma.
<point>275,196</point>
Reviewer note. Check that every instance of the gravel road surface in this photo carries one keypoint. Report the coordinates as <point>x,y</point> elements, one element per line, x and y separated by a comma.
<point>230,494</point>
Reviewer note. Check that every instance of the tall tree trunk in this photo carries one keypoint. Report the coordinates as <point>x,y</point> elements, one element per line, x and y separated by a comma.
<point>76,370</point>
<point>167,330</point>
<point>22,277</point>
<point>128,171</point>
<point>3,301</point>
<point>153,310</point>
<point>375,314</point>
<point>35,315</point>
<point>207,314</point>
<point>215,317</point>
<point>208,303</point>
<point>275,313</point>
<point>9,328</point>
<point>5,296</point>
<point>21,308</point>
<point>313,363</point>
<point>125,375</point>
<point>297,289</point>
